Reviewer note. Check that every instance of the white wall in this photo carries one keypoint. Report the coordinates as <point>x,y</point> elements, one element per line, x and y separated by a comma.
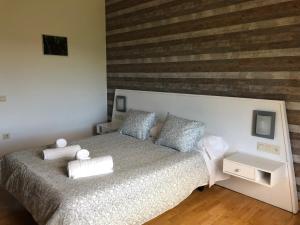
<point>51,96</point>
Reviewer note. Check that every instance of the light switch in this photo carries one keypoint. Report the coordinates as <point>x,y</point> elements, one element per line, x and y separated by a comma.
<point>2,98</point>
<point>269,148</point>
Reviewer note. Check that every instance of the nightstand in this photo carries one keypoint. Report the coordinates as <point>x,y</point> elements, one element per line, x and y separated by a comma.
<point>104,128</point>
<point>256,169</point>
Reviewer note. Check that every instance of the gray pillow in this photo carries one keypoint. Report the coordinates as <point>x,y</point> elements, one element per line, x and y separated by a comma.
<point>180,134</point>
<point>138,124</point>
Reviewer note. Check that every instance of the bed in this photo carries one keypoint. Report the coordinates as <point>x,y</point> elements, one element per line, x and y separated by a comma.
<point>148,180</point>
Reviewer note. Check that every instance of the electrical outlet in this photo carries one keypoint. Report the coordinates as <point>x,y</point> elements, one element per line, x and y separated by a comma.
<point>5,136</point>
<point>269,148</point>
<point>2,98</point>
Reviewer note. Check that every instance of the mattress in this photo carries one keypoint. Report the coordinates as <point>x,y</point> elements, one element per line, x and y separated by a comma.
<point>147,180</point>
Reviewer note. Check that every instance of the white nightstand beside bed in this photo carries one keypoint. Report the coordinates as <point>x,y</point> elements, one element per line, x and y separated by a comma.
<point>104,128</point>
<point>252,168</point>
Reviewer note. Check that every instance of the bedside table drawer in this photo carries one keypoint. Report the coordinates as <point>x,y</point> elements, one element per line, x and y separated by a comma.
<point>239,169</point>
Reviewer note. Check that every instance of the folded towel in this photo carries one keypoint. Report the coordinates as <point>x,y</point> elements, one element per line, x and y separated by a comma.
<point>57,153</point>
<point>91,167</point>
<point>83,154</point>
<point>61,143</point>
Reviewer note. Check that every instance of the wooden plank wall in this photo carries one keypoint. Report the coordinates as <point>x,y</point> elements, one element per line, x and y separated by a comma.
<point>235,48</point>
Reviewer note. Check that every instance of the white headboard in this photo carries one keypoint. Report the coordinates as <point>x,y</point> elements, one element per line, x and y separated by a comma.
<point>230,118</point>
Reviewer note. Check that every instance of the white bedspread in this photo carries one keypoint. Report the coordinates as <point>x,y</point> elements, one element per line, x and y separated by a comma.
<point>148,180</point>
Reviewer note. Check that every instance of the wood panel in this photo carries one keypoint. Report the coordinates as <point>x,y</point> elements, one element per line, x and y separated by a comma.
<point>240,48</point>
<point>245,16</point>
<point>272,38</point>
<point>165,10</point>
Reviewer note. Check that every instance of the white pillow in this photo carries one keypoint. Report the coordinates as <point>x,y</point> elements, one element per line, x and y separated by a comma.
<point>213,149</point>
<point>215,146</point>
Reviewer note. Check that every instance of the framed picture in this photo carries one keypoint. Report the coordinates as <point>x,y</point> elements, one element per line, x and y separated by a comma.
<point>121,103</point>
<point>54,45</point>
<point>263,124</point>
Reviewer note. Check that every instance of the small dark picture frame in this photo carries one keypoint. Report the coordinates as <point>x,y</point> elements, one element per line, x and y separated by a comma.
<point>121,103</point>
<point>263,124</point>
<point>54,45</point>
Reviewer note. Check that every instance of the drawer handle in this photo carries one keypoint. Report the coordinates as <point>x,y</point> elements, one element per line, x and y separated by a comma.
<point>237,170</point>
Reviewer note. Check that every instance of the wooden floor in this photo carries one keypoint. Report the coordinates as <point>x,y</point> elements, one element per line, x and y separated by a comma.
<point>215,206</point>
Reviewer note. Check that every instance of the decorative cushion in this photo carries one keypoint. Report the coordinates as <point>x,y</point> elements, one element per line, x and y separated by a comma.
<point>180,134</point>
<point>138,124</point>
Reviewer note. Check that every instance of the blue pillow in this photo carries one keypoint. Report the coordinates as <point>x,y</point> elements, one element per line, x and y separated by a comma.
<point>138,124</point>
<point>180,134</point>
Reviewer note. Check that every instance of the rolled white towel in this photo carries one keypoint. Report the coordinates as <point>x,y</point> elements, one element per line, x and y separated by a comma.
<point>61,143</point>
<point>83,154</point>
<point>91,167</point>
<point>57,153</point>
